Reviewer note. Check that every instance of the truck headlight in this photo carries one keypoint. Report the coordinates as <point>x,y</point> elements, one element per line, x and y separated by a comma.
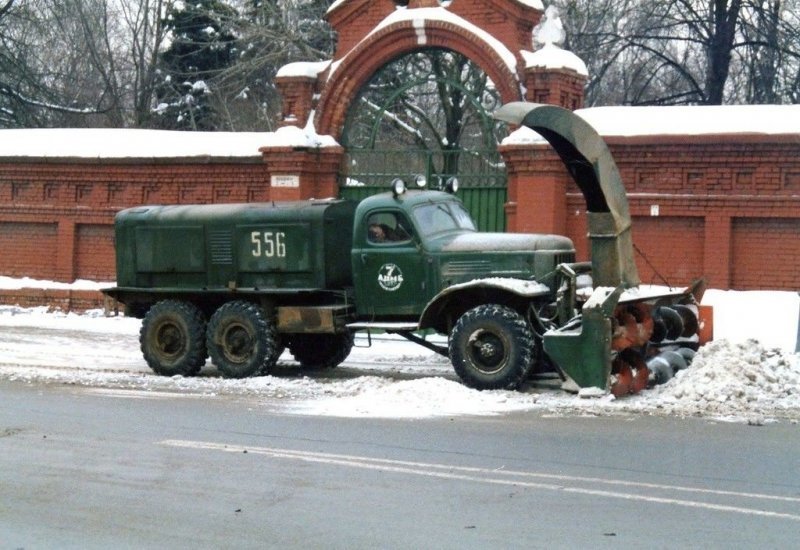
<point>451,185</point>
<point>398,187</point>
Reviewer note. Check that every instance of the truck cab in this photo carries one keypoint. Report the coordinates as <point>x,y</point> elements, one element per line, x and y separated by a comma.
<point>410,246</point>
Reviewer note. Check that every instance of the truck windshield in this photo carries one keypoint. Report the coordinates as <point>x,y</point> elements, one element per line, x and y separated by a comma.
<point>442,217</point>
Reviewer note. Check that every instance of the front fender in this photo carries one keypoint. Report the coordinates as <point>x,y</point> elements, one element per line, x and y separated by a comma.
<point>454,300</point>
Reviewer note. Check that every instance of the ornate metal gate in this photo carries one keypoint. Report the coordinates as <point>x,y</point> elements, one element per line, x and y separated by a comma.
<point>428,113</point>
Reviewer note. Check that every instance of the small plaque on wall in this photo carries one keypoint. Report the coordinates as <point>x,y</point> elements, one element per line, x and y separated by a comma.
<point>285,181</point>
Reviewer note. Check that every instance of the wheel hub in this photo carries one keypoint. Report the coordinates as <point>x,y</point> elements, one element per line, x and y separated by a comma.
<point>169,339</point>
<point>238,343</point>
<point>488,351</point>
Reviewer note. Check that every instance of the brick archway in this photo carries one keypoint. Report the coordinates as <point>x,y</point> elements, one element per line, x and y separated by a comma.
<point>404,37</point>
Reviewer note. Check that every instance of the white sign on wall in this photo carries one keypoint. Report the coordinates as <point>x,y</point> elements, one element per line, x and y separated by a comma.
<point>285,181</point>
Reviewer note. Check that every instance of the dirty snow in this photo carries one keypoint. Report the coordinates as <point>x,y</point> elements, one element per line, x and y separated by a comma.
<point>735,378</point>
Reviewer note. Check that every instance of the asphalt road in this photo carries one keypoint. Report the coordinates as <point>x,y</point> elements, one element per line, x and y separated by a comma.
<point>96,468</point>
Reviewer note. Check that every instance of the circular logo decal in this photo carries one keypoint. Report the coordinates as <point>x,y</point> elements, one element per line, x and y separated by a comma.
<point>390,277</point>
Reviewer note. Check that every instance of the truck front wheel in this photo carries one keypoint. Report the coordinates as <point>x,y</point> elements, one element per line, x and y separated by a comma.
<point>321,351</point>
<point>492,347</point>
<point>241,341</point>
<point>173,339</point>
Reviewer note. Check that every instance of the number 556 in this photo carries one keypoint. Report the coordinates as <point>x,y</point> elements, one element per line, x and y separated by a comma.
<point>268,244</point>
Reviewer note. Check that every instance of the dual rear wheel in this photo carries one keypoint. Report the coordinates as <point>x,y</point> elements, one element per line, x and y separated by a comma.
<point>240,337</point>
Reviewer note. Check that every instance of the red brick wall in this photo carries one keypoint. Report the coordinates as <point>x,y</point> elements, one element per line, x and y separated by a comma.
<point>94,252</point>
<point>56,218</point>
<point>762,249</point>
<point>669,247</point>
<point>28,248</point>
<point>723,207</point>
<point>728,207</point>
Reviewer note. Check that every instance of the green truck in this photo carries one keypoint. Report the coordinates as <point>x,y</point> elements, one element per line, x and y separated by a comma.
<point>242,282</point>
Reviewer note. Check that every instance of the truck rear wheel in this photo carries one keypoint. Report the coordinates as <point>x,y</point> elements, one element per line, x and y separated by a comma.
<point>321,351</point>
<point>241,341</point>
<point>492,347</point>
<point>173,338</point>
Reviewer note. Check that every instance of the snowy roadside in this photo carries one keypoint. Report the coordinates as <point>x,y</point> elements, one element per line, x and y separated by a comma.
<point>734,378</point>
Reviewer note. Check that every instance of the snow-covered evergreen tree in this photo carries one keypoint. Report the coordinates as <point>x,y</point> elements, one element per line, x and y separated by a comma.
<point>203,44</point>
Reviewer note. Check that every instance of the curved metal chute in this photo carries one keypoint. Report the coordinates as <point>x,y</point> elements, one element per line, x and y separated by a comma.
<point>589,162</point>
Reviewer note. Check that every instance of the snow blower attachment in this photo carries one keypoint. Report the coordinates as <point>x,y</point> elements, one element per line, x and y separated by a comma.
<point>625,336</point>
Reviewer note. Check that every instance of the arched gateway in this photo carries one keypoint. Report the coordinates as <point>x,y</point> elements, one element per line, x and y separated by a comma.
<point>490,37</point>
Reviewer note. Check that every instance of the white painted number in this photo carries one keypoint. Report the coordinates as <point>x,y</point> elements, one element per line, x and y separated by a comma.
<point>269,244</point>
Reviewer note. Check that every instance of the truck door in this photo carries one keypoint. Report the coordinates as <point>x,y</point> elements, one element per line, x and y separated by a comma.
<point>391,270</point>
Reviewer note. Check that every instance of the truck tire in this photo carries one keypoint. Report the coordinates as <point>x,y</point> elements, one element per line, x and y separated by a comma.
<point>321,351</point>
<point>241,340</point>
<point>173,338</point>
<point>492,347</point>
<point>272,360</point>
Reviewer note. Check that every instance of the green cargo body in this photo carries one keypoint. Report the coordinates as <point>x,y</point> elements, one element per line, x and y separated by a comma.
<point>235,247</point>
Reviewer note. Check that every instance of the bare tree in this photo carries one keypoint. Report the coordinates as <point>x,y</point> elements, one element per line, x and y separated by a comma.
<point>31,80</point>
<point>684,51</point>
<point>143,38</point>
<point>271,33</point>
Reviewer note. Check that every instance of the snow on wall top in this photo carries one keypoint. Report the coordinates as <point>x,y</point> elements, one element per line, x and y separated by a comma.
<point>335,5</point>
<point>553,57</point>
<point>681,120</point>
<point>308,69</point>
<point>531,3</point>
<point>128,143</point>
<point>418,17</point>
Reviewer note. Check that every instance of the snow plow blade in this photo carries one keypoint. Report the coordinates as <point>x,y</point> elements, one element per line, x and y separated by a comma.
<point>582,350</point>
<point>614,344</point>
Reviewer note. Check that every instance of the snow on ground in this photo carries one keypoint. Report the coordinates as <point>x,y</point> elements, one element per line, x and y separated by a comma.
<point>750,373</point>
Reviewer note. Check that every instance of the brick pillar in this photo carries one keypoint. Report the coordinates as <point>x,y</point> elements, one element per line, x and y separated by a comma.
<point>302,172</point>
<point>298,99</point>
<point>554,76</point>
<point>562,87</point>
<point>537,185</point>
<point>717,250</point>
<point>65,258</point>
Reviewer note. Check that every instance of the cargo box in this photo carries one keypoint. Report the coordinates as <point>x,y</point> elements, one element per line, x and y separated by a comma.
<point>256,246</point>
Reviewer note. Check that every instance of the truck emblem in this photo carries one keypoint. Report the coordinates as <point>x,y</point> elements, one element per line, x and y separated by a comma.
<point>390,277</point>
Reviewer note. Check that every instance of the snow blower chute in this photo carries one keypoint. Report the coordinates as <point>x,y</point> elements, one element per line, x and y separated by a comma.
<point>616,334</point>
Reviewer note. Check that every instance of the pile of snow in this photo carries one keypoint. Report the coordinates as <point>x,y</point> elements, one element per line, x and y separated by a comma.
<point>727,378</point>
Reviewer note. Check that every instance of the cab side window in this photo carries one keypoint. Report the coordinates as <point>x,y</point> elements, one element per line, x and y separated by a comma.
<point>387,227</point>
